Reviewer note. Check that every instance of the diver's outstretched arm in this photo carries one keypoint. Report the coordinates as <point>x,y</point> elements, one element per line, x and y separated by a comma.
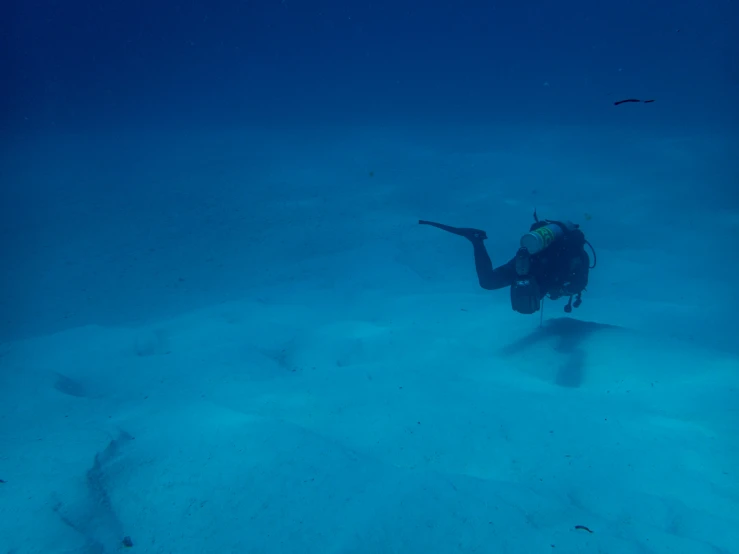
<point>489,278</point>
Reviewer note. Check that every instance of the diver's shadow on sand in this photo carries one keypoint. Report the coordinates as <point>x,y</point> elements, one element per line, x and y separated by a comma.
<point>569,335</point>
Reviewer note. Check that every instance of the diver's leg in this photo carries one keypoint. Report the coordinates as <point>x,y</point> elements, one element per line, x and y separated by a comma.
<point>483,265</point>
<point>461,231</point>
<point>486,275</point>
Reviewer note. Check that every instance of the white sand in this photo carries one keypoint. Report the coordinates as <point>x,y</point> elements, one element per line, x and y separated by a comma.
<point>343,386</point>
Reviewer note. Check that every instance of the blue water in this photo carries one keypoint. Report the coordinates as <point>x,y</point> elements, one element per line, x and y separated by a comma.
<point>210,244</point>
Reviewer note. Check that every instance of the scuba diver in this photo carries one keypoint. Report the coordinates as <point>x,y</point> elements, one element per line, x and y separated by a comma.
<point>551,261</point>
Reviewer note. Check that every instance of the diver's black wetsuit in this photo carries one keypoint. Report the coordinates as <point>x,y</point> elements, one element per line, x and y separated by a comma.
<point>560,270</point>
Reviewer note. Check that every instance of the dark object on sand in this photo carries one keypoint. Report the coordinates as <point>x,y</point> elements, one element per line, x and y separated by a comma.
<point>94,517</point>
<point>2,481</point>
<point>582,528</point>
<point>632,100</point>
<point>69,386</point>
<point>127,542</point>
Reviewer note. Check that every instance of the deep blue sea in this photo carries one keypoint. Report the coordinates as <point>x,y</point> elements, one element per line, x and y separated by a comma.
<point>223,330</point>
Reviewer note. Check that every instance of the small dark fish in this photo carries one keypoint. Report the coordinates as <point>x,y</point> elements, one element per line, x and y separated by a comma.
<point>582,528</point>
<point>632,100</point>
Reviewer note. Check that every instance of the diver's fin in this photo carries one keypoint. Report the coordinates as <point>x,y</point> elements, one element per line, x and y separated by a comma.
<point>466,232</point>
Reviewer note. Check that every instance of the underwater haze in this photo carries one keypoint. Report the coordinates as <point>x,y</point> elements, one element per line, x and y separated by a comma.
<point>223,330</point>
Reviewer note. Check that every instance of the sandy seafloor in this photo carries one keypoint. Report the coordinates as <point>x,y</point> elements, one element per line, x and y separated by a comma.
<point>243,343</point>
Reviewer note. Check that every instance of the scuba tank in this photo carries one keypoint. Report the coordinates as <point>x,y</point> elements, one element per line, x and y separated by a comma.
<point>543,233</point>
